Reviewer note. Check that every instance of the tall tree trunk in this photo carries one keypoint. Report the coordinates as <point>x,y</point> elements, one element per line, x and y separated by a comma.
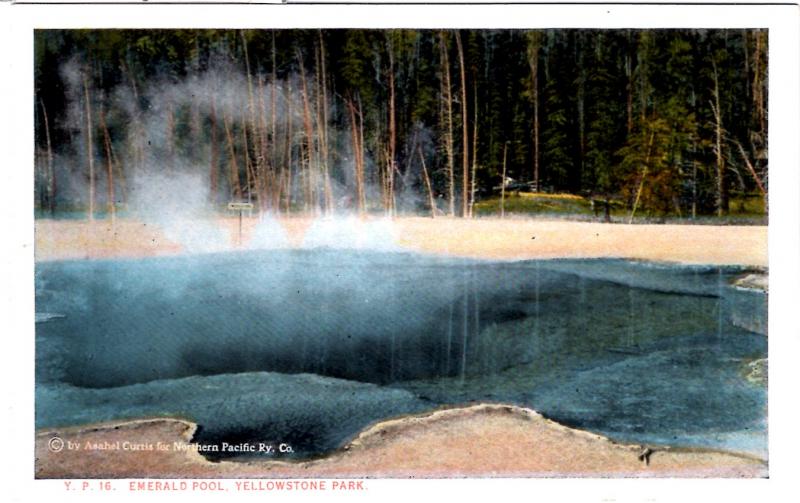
<point>629,84</point>
<point>250,107</point>
<point>304,174</point>
<point>322,113</point>
<point>533,60</point>
<point>361,149</point>
<point>354,141</point>
<point>51,175</point>
<point>286,170</point>
<point>253,171</point>
<point>233,173</point>
<point>384,176</point>
<point>746,69</point>
<point>503,182</point>
<point>110,204</point>
<point>40,177</point>
<point>274,128</point>
<point>119,181</point>
<point>761,188</point>
<point>89,143</point>
<point>581,109</point>
<point>390,168</point>
<point>473,178</point>
<point>643,81</point>
<point>358,166</point>
<point>722,196</point>
<point>212,172</point>
<point>465,131</point>
<point>758,83</point>
<point>644,176</point>
<point>759,90</point>
<point>138,128</point>
<point>309,143</point>
<point>694,160</point>
<point>262,164</point>
<point>694,185</point>
<point>448,116</point>
<point>428,186</point>
<point>248,163</point>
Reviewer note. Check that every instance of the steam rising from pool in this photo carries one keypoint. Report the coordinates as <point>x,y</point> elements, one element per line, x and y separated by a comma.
<point>178,205</point>
<point>351,233</point>
<point>268,234</point>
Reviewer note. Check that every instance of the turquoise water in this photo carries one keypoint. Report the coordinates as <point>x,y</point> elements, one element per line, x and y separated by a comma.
<point>310,346</point>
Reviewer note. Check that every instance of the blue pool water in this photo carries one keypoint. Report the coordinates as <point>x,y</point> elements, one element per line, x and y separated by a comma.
<point>310,346</point>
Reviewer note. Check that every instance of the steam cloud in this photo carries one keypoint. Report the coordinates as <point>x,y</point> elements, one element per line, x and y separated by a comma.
<point>174,144</point>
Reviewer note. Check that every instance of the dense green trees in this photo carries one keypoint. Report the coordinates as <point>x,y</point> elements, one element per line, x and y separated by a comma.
<point>661,121</point>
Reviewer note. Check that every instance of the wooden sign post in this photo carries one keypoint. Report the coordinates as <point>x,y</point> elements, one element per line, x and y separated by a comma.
<point>240,207</point>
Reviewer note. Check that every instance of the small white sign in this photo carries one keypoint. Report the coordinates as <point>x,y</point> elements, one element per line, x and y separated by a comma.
<point>240,206</point>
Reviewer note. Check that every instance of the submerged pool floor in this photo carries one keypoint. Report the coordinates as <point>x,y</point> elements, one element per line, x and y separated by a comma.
<point>308,347</point>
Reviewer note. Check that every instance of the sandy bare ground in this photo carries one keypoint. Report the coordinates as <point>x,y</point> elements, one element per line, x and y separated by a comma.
<point>477,441</point>
<point>524,239</point>
<point>508,239</point>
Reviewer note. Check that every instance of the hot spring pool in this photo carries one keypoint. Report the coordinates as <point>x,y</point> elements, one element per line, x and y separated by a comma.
<point>308,347</point>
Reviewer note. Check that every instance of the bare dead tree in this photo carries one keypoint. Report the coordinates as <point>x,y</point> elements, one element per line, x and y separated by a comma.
<point>322,114</point>
<point>286,170</point>
<point>722,198</point>
<point>309,146</point>
<point>109,168</point>
<point>759,139</point>
<point>253,167</point>
<point>581,102</point>
<point>358,160</point>
<point>759,183</point>
<point>138,127</point>
<point>361,149</point>
<point>533,61</point>
<point>390,167</point>
<point>355,147</point>
<point>503,182</point>
<point>629,83</point>
<point>427,180</point>
<point>233,165</point>
<point>473,178</point>
<point>214,161</point>
<point>694,161</point>
<point>51,175</point>
<point>448,123</point>
<point>248,163</point>
<point>264,173</point>
<point>40,175</point>
<point>758,81</point>
<point>645,167</point>
<point>465,130</point>
<point>274,127</point>
<point>89,143</point>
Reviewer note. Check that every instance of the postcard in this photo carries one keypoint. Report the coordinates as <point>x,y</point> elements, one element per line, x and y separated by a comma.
<point>290,254</point>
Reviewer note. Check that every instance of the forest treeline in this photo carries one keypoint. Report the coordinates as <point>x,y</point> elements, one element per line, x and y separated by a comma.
<point>660,122</point>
